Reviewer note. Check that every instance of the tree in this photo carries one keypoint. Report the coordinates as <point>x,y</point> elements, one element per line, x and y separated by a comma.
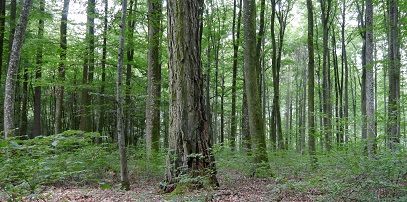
<point>124,176</point>
<point>189,147</point>
<point>88,68</point>
<point>311,66</point>
<point>236,40</point>
<point>394,76</point>
<point>38,75</point>
<point>61,68</point>
<point>9,127</point>
<point>370,119</point>
<point>252,85</point>
<point>326,7</point>
<point>2,31</point>
<point>154,77</point>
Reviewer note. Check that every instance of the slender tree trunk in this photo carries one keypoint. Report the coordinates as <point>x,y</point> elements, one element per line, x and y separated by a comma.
<point>124,177</point>
<point>24,99</point>
<point>61,69</point>
<point>346,84</point>
<point>102,114</point>
<point>236,40</point>
<point>38,75</point>
<point>370,119</point>
<point>130,56</point>
<point>9,127</point>
<point>189,150</point>
<point>394,77</point>
<point>327,129</point>
<point>2,33</point>
<point>154,78</point>
<point>311,67</point>
<point>88,69</point>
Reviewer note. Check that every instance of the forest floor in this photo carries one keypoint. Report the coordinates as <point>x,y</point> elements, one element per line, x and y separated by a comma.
<point>234,186</point>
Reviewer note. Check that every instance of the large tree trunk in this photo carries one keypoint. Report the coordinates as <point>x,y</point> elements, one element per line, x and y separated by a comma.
<point>154,78</point>
<point>370,116</point>
<point>189,150</point>
<point>124,177</point>
<point>38,74</point>
<point>9,127</point>
<point>61,69</point>
<point>394,77</point>
<point>252,86</point>
<point>102,114</point>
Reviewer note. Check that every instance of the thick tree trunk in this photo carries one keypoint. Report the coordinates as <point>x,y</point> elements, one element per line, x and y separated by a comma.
<point>9,127</point>
<point>154,78</point>
<point>252,86</point>
<point>61,69</point>
<point>124,177</point>
<point>189,150</point>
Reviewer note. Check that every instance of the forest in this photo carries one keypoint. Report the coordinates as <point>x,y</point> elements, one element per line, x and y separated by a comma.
<point>203,100</point>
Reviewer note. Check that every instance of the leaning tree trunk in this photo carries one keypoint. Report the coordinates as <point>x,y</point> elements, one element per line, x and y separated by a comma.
<point>189,147</point>
<point>13,69</point>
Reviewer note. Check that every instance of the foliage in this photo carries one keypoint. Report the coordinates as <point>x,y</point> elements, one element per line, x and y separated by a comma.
<point>70,158</point>
<point>341,176</point>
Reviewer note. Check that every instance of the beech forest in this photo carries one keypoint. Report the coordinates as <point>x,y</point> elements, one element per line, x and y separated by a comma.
<point>203,100</point>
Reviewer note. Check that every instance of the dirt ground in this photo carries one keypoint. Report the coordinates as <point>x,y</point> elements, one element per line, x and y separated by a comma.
<point>233,187</point>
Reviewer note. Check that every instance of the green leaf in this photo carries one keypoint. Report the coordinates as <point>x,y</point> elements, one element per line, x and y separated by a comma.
<point>3,144</point>
<point>15,145</point>
<point>105,186</point>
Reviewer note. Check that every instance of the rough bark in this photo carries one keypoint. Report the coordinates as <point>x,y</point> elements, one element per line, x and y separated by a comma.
<point>252,86</point>
<point>189,149</point>
<point>9,127</point>
<point>59,102</point>
<point>154,78</point>
<point>124,177</point>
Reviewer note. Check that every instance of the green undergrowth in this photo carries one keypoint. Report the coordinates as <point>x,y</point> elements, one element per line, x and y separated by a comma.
<point>68,159</point>
<point>340,176</point>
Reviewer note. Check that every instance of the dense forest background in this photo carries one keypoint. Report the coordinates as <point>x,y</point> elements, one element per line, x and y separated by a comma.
<point>314,80</point>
